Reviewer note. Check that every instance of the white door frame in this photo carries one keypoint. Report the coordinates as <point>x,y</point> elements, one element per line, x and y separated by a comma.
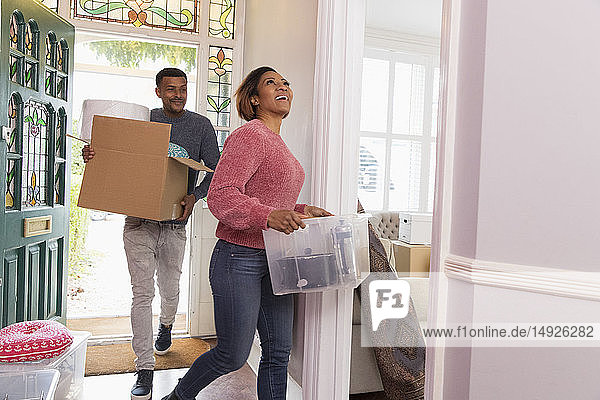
<point>440,241</point>
<point>336,111</point>
<point>327,338</point>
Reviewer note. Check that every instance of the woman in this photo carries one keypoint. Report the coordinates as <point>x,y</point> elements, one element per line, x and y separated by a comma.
<point>255,187</point>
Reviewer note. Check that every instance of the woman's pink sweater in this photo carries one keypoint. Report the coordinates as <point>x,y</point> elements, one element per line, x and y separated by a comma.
<point>256,174</point>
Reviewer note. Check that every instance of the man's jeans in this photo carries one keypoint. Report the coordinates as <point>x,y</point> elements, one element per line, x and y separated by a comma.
<point>152,246</point>
<point>244,301</point>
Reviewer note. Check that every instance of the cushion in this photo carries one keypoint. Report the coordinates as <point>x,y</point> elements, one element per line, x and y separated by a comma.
<point>33,340</point>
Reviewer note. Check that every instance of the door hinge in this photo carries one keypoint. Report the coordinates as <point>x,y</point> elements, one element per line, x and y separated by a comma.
<point>6,131</point>
<point>0,281</point>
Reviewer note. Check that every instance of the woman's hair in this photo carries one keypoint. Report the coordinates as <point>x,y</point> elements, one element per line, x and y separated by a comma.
<point>247,89</point>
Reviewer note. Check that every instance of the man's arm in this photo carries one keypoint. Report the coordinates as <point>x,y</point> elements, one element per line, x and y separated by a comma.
<point>209,154</point>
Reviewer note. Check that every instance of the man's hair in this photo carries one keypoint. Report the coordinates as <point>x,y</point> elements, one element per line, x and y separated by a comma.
<point>247,89</point>
<point>170,72</point>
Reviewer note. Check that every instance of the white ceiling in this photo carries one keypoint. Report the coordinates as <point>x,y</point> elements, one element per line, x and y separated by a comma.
<point>417,17</point>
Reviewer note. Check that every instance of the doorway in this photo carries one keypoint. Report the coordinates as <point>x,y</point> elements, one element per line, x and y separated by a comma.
<point>398,142</point>
<point>99,290</point>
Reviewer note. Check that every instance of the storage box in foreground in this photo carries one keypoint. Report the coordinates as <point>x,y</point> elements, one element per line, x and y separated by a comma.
<point>131,172</point>
<point>28,385</point>
<point>70,365</point>
<point>330,253</point>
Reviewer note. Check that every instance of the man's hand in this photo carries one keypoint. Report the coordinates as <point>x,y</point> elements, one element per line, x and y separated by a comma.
<point>314,211</point>
<point>87,153</point>
<point>188,205</point>
<point>285,221</point>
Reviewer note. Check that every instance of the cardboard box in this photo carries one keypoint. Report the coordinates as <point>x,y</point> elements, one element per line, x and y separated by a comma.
<point>131,172</point>
<point>411,259</point>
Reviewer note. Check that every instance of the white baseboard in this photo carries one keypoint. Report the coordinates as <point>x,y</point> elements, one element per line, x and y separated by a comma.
<point>294,391</point>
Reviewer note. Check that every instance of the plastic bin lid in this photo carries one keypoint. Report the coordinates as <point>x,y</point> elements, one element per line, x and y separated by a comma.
<point>11,386</point>
<point>79,337</point>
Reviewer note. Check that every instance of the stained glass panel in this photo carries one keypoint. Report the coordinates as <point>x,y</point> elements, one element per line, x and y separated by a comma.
<point>58,183</point>
<point>32,39</point>
<point>219,86</point>
<point>14,105</point>
<point>9,201</point>
<point>60,137</point>
<point>221,14</point>
<point>31,75</point>
<point>61,87</point>
<point>14,30</point>
<point>51,50</point>
<point>35,154</point>
<point>221,136</point>
<point>161,14</point>
<point>59,149</point>
<point>62,56</point>
<point>15,64</point>
<point>49,82</point>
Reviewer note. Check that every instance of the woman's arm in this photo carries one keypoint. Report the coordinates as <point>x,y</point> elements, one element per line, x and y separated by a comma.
<point>242,155</point>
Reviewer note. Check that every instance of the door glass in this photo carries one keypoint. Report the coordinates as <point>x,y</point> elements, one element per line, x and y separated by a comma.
<point>35,154</point>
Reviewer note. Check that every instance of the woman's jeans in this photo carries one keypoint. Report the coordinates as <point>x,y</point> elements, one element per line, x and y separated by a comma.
<point>244,301</point>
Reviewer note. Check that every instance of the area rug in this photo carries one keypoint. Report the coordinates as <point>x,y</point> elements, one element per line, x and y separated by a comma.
<point>118,358</point>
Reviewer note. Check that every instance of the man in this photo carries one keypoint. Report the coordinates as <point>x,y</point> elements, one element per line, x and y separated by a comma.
<point>159,245</point>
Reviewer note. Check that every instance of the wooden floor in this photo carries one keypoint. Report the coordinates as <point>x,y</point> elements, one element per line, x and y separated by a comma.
<point>238,385</point>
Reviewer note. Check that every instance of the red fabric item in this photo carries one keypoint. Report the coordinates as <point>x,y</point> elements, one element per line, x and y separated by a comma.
<point>256,174</point>
<point>33,340</point>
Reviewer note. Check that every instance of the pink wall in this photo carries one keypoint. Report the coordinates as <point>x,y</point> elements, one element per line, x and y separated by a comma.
<point>526,165</point>
<point>538,197</point>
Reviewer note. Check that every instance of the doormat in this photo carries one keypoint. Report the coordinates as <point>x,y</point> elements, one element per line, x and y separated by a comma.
<point>118,358</point>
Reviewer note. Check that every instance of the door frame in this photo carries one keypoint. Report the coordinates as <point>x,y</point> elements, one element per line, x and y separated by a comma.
<point>337,76</point>
<point>196,301</point>
<point>441,229</point>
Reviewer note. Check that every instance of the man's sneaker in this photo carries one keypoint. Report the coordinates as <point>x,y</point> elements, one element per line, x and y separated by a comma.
<point>142,390</point>
<point>162,344</point>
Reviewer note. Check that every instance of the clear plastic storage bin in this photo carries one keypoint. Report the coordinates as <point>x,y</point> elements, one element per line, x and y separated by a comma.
<point>70,365</point>
<point>28,385</point>
<point>327,254</point>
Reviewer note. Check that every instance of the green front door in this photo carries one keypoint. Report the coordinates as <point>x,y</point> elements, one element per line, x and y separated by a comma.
<point>35,92</point>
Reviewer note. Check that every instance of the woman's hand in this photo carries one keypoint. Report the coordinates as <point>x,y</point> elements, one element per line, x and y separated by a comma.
<point>285,221</point>
<point>87,153</point>
<point>314,211</point>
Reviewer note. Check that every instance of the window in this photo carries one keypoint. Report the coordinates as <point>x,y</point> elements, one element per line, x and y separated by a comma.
<point>398,130</point>
<point>207,27</point>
